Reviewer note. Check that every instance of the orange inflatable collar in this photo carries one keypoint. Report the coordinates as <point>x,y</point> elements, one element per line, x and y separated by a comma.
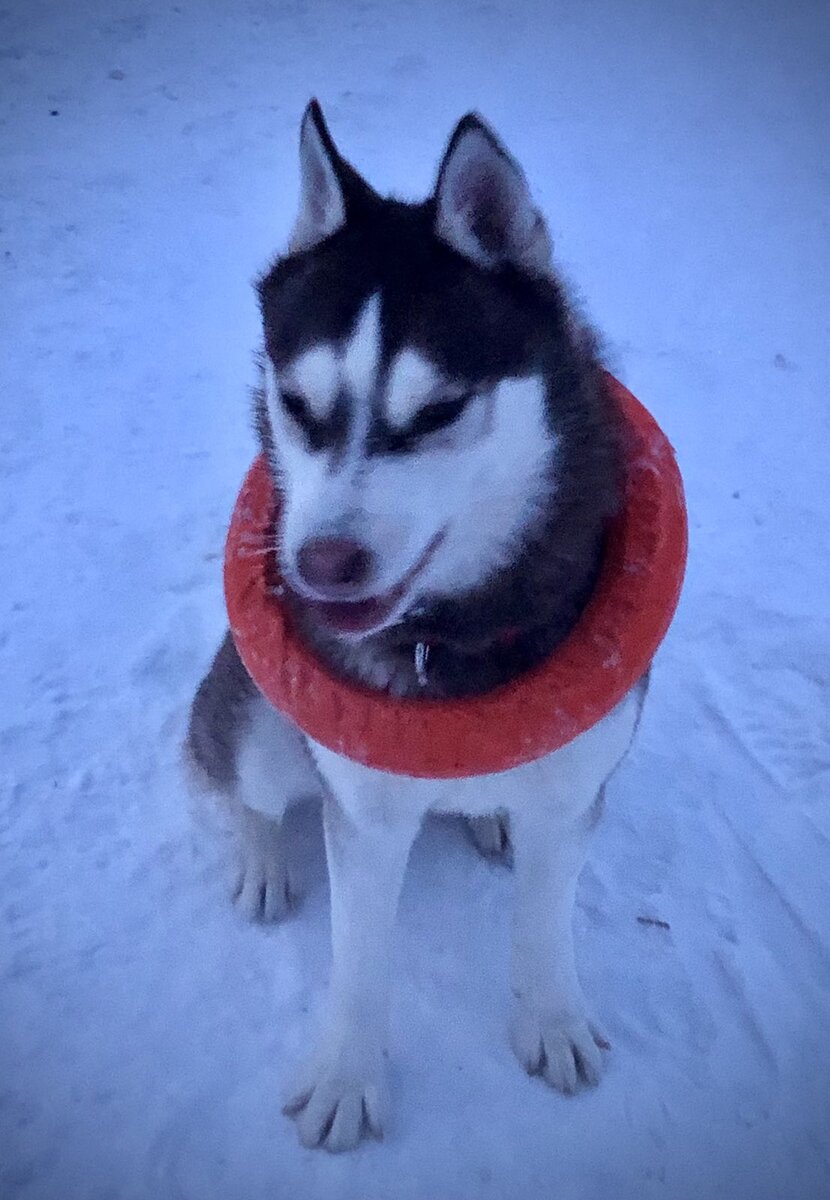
<point>605,654</point>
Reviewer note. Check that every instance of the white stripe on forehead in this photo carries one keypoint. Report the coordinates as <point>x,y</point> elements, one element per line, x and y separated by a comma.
<point>361,357</point>
<point>413,382</point>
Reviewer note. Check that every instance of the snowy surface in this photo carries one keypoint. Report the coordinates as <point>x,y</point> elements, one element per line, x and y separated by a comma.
<point>148,171</point>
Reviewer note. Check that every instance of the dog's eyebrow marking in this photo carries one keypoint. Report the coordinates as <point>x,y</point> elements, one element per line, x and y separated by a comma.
<point>314,376</point>
<point>412,382</point>
<point>361,355</point>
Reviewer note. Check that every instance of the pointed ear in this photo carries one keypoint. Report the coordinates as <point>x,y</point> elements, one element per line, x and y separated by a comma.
<point>483,204</point>
<point>322,201</point>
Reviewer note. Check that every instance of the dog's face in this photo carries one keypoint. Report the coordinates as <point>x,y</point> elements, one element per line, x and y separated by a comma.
<point>404,386</point>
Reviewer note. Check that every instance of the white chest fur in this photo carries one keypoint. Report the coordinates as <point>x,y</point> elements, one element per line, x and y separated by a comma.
<point>573,774</point>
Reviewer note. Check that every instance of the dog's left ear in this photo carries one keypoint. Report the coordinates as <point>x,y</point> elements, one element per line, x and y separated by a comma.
<point>483,205</point>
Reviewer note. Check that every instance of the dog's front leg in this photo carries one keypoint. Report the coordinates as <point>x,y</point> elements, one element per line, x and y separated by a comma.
<point>341,1096</point>
<point>550,1032</point>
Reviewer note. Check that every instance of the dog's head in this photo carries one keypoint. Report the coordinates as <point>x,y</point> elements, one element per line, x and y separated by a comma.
<point>407,353</point>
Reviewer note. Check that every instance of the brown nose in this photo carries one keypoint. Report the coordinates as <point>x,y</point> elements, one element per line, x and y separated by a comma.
<point>334,562</point>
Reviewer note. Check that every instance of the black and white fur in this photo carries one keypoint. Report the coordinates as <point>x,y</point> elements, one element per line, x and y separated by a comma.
<point>429,396</point>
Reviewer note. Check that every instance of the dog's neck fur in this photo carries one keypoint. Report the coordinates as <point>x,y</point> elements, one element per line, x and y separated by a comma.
<point>518,615</point>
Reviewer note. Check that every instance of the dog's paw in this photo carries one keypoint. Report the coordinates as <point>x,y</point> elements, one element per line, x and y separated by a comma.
<point>491,837</point>
<point>338,1104</point>
<point>563,1047</point>
<point>264,889</point>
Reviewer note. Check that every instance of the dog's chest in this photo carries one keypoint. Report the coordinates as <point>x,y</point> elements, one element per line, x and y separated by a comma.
<point>563,775</point>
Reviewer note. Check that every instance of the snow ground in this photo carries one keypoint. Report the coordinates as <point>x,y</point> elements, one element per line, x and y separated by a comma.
<point>148,171</point>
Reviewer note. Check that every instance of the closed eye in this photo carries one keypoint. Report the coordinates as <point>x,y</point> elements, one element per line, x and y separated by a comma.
<point>440,415</point>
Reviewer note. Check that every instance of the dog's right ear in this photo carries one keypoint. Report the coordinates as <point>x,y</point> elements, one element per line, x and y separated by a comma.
<point>322,200</point>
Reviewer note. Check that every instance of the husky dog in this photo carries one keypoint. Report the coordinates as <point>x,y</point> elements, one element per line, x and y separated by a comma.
<point>432,410</point>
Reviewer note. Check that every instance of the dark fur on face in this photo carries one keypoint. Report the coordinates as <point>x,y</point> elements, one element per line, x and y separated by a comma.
<point>478,325</point>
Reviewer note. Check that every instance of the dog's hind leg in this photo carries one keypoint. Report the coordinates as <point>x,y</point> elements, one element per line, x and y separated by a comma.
<point>257,763</point>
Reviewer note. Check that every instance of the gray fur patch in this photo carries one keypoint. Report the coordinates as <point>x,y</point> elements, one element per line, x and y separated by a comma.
<point>219,717</point>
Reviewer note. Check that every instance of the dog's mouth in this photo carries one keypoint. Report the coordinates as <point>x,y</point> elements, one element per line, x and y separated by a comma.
<point>357,618</point>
